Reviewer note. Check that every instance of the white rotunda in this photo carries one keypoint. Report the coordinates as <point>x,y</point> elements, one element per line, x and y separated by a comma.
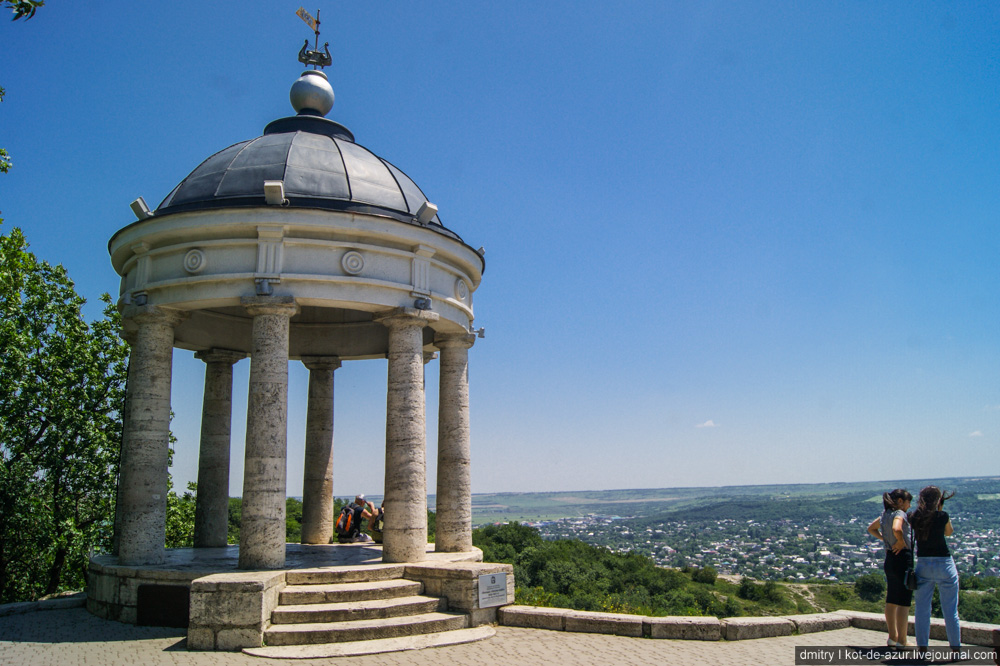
<point>298,245</point>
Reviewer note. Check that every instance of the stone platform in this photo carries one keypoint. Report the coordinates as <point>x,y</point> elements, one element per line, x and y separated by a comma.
<point>74,637</point>
<point>224,607</point>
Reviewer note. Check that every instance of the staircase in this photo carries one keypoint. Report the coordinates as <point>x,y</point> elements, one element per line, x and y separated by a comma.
<point>362,610</point>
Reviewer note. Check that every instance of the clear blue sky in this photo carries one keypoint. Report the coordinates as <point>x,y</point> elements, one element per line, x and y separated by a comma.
<point>727,243</point>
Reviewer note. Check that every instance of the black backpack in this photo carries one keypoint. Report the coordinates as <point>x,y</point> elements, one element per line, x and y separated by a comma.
<point>345,521</point>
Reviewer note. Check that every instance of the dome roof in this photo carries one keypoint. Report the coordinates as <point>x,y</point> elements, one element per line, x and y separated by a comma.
<point>321,167</point>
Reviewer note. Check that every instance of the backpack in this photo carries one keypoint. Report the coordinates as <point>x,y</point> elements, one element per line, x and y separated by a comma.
<point>345,521</point>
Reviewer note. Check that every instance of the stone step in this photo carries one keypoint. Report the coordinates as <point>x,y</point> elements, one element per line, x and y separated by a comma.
<point>337,592</point>
<point>378,646</point>
<point>363,630</point>
<point>369,572</point>
<point>356,610</point>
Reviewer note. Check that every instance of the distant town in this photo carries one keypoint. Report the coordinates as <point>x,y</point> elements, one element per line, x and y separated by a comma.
<point>780,549</point>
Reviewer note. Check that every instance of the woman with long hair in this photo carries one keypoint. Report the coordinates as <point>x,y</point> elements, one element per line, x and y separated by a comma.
<point>894,531</point>
<point>935,566</point>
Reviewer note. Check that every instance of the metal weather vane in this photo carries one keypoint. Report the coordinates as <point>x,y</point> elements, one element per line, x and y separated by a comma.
<point>313,57</point>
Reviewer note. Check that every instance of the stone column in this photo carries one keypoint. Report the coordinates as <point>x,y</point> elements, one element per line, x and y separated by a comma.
<point>142,491</point>
<point>317,477</point>
<point>262,532</point>
<point>454,466</point>
<point>211,512</point>
<point>405,536</point>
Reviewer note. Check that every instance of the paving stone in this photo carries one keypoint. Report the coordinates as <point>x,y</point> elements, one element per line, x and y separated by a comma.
<point>76,638</point>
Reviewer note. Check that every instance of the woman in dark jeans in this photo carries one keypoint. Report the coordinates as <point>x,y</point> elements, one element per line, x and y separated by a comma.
<point>934,566</point>
<point>894,530</point>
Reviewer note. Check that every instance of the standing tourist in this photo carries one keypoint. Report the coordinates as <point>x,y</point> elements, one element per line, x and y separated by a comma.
<point>893,529</point>
<point>935,566</point>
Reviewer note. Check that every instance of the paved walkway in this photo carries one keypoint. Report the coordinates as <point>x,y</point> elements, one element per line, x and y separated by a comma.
<point>74,637</point>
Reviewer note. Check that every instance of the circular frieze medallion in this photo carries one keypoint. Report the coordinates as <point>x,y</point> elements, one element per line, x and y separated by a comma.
<point>194,261</point>
<point>352,262</point>
<point>461,289</point>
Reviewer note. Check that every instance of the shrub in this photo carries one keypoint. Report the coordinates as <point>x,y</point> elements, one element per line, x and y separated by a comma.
<point>750,590</point>
<point>705,575</point>
<point>870,586</point>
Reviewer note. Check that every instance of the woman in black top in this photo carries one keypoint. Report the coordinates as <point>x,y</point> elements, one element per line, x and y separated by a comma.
<point>934,566</point>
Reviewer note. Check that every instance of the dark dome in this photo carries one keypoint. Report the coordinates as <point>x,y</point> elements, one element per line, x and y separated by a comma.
<point>320,165</point>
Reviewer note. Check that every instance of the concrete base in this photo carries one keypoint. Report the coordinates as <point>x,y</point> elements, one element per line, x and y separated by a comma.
<point>229,608</point>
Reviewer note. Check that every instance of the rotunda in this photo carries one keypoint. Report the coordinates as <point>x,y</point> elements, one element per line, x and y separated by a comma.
<point>297,245</point>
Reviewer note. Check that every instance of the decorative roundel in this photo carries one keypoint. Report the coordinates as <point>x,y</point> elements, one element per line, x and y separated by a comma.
<point>194,261</point>
<point>461,289</point>
<point>352,262</point>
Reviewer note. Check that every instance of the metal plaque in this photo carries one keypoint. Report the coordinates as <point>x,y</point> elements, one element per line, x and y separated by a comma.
<point>492,590</point>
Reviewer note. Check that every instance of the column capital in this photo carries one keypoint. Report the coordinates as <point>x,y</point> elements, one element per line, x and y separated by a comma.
<point>453,340</point>
<point>429,356</point>
<point>154,314</point>
<point>270,305</point>
<point>407,317</point>
<point>321,362</point>
<point>219,356</point>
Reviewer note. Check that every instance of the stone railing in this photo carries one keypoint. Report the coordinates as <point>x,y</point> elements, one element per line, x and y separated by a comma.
<point>714,629</point>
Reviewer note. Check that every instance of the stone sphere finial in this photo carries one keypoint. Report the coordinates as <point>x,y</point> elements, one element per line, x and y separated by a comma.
<point>312,94</point>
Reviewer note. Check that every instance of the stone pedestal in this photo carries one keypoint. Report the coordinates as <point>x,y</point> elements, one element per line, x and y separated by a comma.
<point>454,475</point>
<point>405,536</point>
<point>262,532</point>
<point>142,491</point>
<point>211,515</point>
<point>317,478</point>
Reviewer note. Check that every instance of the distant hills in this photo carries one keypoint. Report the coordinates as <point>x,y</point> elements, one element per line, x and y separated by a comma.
<point>693,502</point>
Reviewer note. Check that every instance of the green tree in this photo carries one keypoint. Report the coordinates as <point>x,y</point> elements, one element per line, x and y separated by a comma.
<point>705,575</point>
<point>5,163</point>
<point>235,517</point>
<point>180,517</point>
<point>870,586</point>
<point>979,607</point>
<point>62,388</point>
<point>293,520</point>
<point>23,8</point>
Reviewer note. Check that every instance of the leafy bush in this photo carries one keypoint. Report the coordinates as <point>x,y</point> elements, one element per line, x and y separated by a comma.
<point>705,575</point>
<point>180,518</point>
<point>572,574</point>
<point>979,607</point>
<point>979,582</point>
<point>750,590</point>
<point>870,586</point>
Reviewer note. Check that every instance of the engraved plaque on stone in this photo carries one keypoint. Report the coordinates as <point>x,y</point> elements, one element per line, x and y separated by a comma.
<point>492,590</point>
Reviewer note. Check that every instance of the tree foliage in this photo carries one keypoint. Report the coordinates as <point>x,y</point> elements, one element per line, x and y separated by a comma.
<point>23,8</point>
<point>180,517</point>
<point>5,163</point>
<point>870,586</point>
<point>569,573</point>
<point>62,388</point>
<point>980,607</point>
